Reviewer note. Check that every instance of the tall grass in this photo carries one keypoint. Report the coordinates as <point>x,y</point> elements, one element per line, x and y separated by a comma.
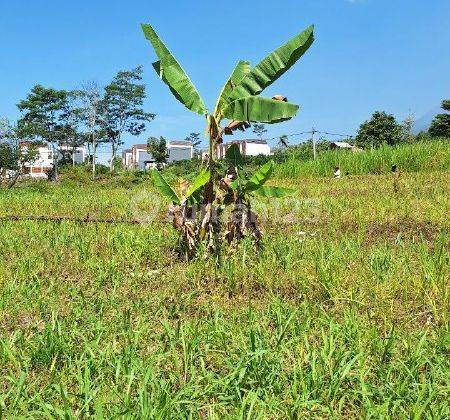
<point>422,156</point>
<point>341,316</point>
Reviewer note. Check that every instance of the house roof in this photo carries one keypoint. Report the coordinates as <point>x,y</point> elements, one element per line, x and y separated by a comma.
<point>139,146</point>
<point>169,143</point>
<point>342,144</point>
<point>179,143</point>
<point>255,141</point>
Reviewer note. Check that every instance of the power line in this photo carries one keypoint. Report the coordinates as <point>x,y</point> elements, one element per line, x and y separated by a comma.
<point>314,131</point>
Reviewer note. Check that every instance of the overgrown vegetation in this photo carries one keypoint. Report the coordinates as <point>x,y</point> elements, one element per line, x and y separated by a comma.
<point>421,156</point>
<point>440,126</point>
<point>344,315</point>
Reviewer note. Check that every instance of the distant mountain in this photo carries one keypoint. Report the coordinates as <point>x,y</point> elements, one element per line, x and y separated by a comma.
<point>423,123</point>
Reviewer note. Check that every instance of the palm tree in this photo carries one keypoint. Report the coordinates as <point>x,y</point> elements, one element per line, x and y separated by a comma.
<point>283,141</point>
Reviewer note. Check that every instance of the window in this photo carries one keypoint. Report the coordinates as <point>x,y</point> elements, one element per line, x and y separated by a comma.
<point>50,155</point>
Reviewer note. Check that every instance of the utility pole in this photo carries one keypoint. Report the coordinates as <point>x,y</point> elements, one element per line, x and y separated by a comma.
<point>313,131</point>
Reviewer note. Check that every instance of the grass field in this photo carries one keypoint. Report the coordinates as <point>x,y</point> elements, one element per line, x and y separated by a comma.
<point>344,314</point>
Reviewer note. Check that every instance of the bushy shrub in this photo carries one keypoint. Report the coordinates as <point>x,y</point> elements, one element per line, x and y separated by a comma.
<point>381,129</point>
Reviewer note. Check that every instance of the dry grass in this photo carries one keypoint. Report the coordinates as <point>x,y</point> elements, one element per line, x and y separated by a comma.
<point>343,315</point>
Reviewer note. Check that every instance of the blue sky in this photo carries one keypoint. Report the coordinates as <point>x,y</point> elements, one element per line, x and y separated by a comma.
<point>369,54</point>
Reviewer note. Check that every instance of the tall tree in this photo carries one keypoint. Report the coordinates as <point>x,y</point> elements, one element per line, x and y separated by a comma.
<point>407,127</point>
<point>381,129</point>
<point>72,136</point>
<point>122,109</point>
<point>14,155</point>
<point>43,117</point>
<point>195,139</point>
<point>440,126</point>
<point>158,149</point>
<point>259,130</point>
<point>90,98</point>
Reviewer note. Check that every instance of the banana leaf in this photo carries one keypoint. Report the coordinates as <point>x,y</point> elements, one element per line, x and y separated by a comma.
<point>257,109</point>
<point>233,156</point>
<point>240,71</point>
<point>276,192</point>
<point>165,189</point>
<point>259,177</point>
<point>201,179</point>
<point>172,74</point>
<point>274,65</point>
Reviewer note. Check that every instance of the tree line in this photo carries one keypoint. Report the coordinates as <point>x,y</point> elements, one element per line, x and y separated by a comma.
<point>89,115</point>
<point>383,128</point>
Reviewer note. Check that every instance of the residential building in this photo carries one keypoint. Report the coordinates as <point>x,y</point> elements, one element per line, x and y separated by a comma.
<point>80,153</point>
<point>127,158</point>
<point>247,147</point>
<point>45,158</point>
<point>342,145</point>
<point>138,156</point>
<point>179,150</point>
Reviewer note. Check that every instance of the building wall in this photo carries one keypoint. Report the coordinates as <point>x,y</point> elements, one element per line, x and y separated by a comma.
<point>142,156</point>
<point>255,149</point>
<point>179,153</point>
<point>127,159</point>
<point>42,164</point>
<point>246,148</point>
<point>45,159</point>
<point>80,153</point>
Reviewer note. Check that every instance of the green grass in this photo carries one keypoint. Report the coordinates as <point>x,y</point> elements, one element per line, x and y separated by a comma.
<point>345,313</point>
<point>423,156</point>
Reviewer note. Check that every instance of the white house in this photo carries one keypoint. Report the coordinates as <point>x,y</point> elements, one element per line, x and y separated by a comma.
<point>80,153</point>
<point>139,158</point>
<point>179,150</point>
<point>127,158</point>
<point>45,158</point>
<point>343,145</point>
<point>247,147</point>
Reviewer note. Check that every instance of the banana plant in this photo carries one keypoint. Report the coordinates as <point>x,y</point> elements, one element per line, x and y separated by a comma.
<point>240,104</point>
<point>239,191</point>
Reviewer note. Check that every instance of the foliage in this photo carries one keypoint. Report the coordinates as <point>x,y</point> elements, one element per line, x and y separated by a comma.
<point>122,108</point>
<point>381,129</point>
<point>283,141</point>
<point>158,149</point>
<point>415,157</point>
<point>440,126</point>
<point>195,139</point>
<point>45,114</point>
<point>407,127</point>
<point>343,316</point>
<point>259,129</point>
<point>90,101</point>
<point>14,155</point>
<point>239,102</point>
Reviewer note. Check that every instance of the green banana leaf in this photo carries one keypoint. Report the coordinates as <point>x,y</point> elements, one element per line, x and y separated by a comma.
<point>257,109</point>
<point>273,191</point>
<point>172,74</point>
<point>165,189</point>
<point>233,156</point>
<point>259,177</point>
<point>201,179</point>
<point>274,65</point>
<point>240,71</point>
